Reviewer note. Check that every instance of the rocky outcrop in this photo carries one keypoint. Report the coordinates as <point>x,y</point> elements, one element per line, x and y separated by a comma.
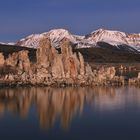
<point>20,60</point>
<point>139,75</point>
<point>56,68</point>
<point>16,67</point>
<point>2,61</point>
<point>23,61</point>
<point>12,60</point>
<point>134,81</point>
<point>66,67</point>
<point>106,73</point>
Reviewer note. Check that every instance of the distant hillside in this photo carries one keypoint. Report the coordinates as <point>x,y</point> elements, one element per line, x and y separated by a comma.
<point>9,49</point>
<point>102,55</point>
<point>106,55</point>
<point>115,38</point>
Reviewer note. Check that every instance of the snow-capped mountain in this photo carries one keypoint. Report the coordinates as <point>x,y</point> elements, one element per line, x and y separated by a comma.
<point>2,43</point>
<point>55,36</point>
<point>31,41</point>
<point>114,38</point>
<point>11,43</point>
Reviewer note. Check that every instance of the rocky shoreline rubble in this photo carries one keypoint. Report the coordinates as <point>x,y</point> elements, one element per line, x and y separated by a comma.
<point>56,68</point>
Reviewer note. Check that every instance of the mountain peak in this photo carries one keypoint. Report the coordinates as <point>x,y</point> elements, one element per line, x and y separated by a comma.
<point>111,37</point>
<point>59,30</point>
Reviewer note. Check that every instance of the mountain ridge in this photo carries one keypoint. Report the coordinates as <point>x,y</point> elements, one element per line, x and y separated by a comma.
<point>114,38</point>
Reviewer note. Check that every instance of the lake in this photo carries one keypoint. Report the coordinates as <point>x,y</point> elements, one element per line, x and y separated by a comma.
<point>109,113</point>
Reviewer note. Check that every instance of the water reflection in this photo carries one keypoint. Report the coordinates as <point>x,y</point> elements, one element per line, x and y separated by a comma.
<point>58,104</point>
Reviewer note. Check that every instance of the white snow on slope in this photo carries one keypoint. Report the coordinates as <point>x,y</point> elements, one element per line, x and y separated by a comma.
<point>114,38</point>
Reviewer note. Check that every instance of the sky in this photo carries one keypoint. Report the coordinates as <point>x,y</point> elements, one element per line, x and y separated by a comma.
<point>20,18</point>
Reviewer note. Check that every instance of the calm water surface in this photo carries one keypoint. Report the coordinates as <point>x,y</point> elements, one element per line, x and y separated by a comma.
<point>70,113</point>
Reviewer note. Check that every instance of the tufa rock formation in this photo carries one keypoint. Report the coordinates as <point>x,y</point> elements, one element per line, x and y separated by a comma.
<point>2,61</point>
<point>139,75</point>
<point>55,68</point>
<point>66,67</point>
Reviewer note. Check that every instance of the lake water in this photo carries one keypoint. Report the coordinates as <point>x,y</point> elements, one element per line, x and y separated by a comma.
<point>70,113</point>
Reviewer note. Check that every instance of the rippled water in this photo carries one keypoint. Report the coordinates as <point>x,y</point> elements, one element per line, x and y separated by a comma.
<point>70,113</point>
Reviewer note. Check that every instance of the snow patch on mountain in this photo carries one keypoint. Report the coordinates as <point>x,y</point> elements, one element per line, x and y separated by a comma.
<point>114,38</point>
<point>31,41</point>
<point>57,35</point>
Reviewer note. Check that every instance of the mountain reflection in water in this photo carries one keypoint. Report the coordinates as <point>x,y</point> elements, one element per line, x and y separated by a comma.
<point>63,104</point>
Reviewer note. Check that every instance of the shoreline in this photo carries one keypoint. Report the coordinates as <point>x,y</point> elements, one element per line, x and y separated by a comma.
<point>59,69</point>
<point>65,85</point>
